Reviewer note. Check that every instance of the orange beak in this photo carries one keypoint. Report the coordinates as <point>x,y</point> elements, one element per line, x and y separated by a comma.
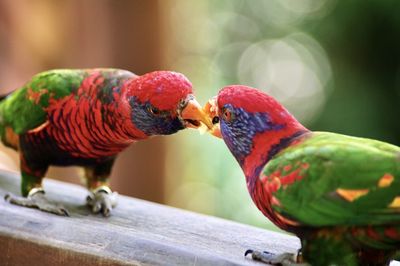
<point>216,131</point>
<point>194,115</point>
<point>211,110</point>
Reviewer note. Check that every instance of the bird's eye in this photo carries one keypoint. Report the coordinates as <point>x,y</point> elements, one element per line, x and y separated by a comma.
<point>157,112</point>
<point>154,110</point>
<point>227,115</point>
<point>215,120</point>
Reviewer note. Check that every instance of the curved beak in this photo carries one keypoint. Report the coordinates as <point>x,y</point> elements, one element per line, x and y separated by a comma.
<point>194,116</point>
<point>216,131</point>
<point>210,108</point>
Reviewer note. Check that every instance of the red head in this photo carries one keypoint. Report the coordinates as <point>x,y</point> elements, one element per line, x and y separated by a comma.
<point>162,89</point>
<point>162,103</point>
<point>253,125</point>
<point>253,100</point>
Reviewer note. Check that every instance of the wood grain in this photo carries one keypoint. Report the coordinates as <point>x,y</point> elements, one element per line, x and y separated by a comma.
<point>137,233</point>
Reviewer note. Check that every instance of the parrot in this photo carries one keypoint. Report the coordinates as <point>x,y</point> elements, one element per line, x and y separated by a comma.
<point>339,194</point>
<point>85,117</point>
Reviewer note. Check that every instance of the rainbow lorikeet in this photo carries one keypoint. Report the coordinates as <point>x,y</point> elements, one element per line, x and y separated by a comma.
<point>86,117</point>
<point>339,194</point>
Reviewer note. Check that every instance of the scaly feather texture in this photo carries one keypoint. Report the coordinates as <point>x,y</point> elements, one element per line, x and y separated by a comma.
<point>86,117</point>
<point>339,194</point>
<point>91,114</point>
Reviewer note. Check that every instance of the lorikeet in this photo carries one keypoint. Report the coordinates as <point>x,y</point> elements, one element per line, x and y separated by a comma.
<point>86,117</point>
<point>339,194</point>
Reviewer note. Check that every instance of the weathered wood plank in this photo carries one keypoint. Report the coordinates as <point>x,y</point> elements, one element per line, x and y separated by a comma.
<point>137,233</point>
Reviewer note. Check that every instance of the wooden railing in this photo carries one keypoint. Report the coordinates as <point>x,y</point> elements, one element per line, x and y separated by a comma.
<point>137,233</point>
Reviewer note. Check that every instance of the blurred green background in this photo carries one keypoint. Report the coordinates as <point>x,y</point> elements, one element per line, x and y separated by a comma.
<point>334,64</point>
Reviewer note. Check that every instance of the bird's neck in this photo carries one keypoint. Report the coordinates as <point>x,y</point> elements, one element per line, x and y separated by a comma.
<point>118,113</point>
<point>266,145</point>
<point>111,113</point>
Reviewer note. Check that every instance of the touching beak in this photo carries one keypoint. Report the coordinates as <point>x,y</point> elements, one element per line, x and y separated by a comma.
<point>216,131</point>
<point>210,108</point>
<point>193,115</point>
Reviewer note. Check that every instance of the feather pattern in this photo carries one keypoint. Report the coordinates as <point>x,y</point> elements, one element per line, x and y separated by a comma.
<point>81,117</point>
<point>334,191</point>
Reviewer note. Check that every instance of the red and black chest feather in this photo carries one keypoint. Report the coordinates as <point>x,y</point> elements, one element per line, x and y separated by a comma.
<point>88,124</point>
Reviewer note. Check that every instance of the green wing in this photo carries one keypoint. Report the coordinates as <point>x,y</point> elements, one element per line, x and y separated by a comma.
<point>24,109</point>
<point>329,165</point>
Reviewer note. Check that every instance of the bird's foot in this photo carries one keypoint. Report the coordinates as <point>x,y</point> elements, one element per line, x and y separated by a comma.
<point>37,199</point>
<point>102,199</point>
<point>284,259</point>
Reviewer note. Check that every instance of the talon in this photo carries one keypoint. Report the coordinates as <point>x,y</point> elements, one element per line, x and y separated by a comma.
<point>38,201</point>
<point>89,199</point>
<point>96,207</point>
<point>249,251</point>
<point>284,259</point>
<point>7,197</point>
<point>64,211</point>
<point>107,208</point>
<point>102,200</point>
<point>256,255</point>
<point>106,212</point>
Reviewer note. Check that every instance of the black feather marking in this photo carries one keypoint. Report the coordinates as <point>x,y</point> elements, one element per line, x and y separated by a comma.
<point>153,124</point>
<point>239,133</point>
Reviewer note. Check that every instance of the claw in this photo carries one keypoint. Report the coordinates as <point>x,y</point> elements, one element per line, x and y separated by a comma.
<point>96,207</point>
<point>7,196</point>
<point>249,251</point>
<point>102,200</point>
<point>39,201</point>
<point>65,212</point>
<point>284,259</point>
